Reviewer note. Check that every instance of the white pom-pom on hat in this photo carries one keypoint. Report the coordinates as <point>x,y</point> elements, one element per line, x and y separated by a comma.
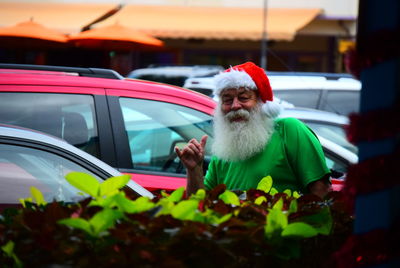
<point>272,108</point>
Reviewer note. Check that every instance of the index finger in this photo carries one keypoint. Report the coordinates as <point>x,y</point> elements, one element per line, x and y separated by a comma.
<point>178,152</point>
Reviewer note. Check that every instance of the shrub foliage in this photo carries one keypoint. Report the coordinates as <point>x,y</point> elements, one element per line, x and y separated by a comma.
<point>216,228</point>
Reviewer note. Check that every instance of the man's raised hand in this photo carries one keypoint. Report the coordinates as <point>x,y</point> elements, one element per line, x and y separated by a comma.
<point>192,155</point>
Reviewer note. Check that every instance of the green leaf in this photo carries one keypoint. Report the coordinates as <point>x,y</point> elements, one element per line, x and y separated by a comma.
<point>139,205</point>
<point>288,192</point>
<point>265,184</point>
<point>200,194</point>
<point>273,191</point>
<point>293,206</point>
<point>113,184</point>
<point>296,194</point>
<point>276,221</point>
<point>299,229</point>
<point>107,202</point>
<point>38,196</point>
<point>24,200</point>
<point>104,219</point>
<point>185,210</point>
<point>230,198</point>
<point>164,194</point>
<point>77,223</point>
<point>177,195</point>
<point>321,221</point>
<point>260,200</point>
<point>222,219</point>
<point>166,207</point>
<point>9,250</point>
<point>278,205</point>
<point>211,217</point>
<point>84,182</point>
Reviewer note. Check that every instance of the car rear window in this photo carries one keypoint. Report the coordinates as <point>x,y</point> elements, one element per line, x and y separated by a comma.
<point>301,98</point>
<point>341,102</point>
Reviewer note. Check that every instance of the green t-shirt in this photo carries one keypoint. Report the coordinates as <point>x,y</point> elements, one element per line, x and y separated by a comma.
<point>293,158</point>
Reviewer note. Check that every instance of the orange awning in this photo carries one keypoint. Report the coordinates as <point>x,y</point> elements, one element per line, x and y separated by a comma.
<point>114,37</point>
<point>31,29</point>
<point>64,17</point>
<point>214,22</point>
<point>163,21</point>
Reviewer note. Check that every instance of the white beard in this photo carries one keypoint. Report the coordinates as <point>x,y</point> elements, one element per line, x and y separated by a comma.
<point>237,141</point>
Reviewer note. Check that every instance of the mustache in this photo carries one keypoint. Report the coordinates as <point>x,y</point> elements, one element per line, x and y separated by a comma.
<point>241,113</point>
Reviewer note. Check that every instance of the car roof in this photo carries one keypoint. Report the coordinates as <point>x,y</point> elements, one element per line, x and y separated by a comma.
<point>291,80</point>
<point>38,137</point>
<point>80,71</point>
<point>279,82</point>
<point>170,71</point>
<point>330,76</point>
<point>73,79</point>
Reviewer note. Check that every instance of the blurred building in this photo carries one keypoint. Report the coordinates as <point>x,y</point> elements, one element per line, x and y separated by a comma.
<point>301,35</point>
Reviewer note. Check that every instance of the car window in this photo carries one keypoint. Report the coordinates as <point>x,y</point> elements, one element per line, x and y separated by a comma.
<point>341,102</point>
<point>22,167</point>
<point>68,116</point>
<point>172,80</point>
<point>154,128</point>
<point>335,164</point>
<point>300,98</point>
<point>335,133</point>
<point>205,91</point>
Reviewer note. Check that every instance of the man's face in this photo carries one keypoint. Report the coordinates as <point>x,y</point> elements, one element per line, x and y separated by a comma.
<point>235,99</point>
<point>241,128</point>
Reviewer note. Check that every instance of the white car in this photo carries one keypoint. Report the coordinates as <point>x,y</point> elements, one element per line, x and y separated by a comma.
<point>31,158</point>
<point>337,93</point>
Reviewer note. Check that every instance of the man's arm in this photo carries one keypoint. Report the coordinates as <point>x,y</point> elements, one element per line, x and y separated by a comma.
<point>195,180</point>
<point>192,157</point>
<point>320,187</point>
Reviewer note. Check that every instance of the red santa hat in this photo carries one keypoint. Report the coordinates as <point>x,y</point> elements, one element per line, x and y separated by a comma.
<point>249,76</point>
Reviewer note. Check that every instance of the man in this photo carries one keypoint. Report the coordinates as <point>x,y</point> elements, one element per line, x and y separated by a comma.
<point>250,143</point>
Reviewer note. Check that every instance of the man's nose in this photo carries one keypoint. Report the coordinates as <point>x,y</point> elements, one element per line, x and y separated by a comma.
<point>236,105</point>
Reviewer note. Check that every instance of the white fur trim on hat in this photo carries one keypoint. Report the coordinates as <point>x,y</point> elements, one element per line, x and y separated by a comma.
<point>233,79</point>
<point>272,108</point>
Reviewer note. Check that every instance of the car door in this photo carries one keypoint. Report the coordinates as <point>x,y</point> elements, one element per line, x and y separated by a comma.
<point>146,131</point>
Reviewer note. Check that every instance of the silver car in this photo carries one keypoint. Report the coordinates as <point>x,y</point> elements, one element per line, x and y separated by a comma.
<point>31,158</point>
<point>326,124</point>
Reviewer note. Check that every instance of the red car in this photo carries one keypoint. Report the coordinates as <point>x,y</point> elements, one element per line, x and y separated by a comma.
<point>132,125</point>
